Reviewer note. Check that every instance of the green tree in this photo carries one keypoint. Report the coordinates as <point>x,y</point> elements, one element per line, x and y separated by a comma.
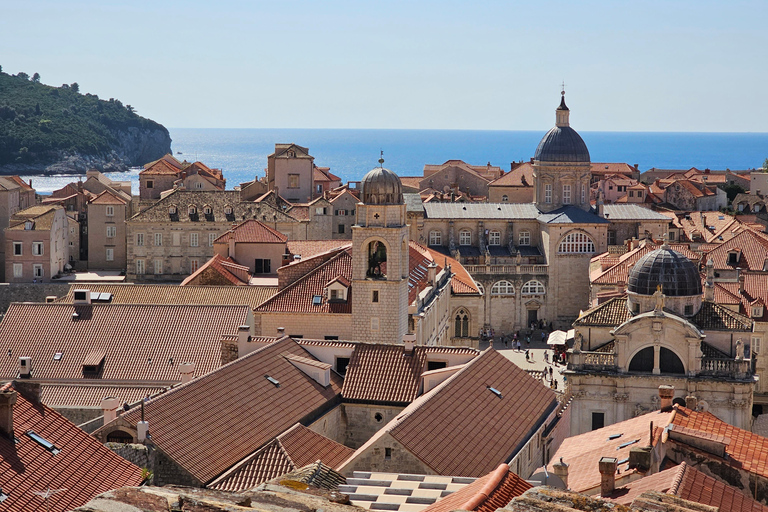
<point>36,78</point>
<point>75,87</point>
<point>130,109</point>
<point>23,75</point>
<point>765,165</point>
<point>732,191</point>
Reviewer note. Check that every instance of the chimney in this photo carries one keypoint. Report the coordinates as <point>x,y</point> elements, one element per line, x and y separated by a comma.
<point>561,471</point>
<point>81,296</point>
<point>741,283</point>
<point>432,273</point>
<point>666,394</point>
<point>25,367</point>
<point>231,247</point>
<point>187,371</point>
<point>281,331</point>
<point>142,429</point>
<point>32,391</point>
<point>709,286</point>
<point>110,405</point>
<point>607,467</point>
<point>243,334</point>
<point>286,259</point>
<point>409,340</point>
<point>691,402</point>
<point>7,400</point>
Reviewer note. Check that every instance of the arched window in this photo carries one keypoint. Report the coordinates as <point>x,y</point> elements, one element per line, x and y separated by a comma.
<point>668,361</point>
<point>461,325</point>
<point>494,238</point>
<point>435,237</point>
<point>504,198</point>
<point>377,255</point>
<point>533,287</point>
<point>172,210</point>
<point>207,210</point>
<point>192,210</point>
<point>480,288</point>
<point>119,436</point>
<point>227,210</point>
<point>503,288</point>
<point>524,238</point>
<point>576,243</point>
<point>465,237</point>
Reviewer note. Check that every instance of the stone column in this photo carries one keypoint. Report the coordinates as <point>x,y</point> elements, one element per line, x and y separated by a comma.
<point>656,358</point>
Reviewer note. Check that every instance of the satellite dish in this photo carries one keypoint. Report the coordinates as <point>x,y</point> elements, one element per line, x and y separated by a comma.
<point>703,406</point>
<point>546,478</point>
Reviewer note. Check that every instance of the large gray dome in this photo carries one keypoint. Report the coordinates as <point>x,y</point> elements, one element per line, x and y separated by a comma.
<point>676,274</point>
<point>382,186</point>
<point>562,144</point>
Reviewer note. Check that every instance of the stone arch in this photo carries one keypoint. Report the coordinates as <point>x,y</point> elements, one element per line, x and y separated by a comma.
<point>503,288</point>
<point>533,287</point>
<point>120,436</point>
<point>669,362</point>
<point>576,241</point>
<point>365,249</point>
<point>462,323</point>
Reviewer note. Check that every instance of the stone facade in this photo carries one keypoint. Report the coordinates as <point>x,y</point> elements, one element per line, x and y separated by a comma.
<point>107,233</point>
<point>37,244</point>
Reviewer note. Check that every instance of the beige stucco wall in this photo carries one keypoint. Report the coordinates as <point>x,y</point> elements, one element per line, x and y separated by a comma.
<point>55,250</point>
<point>282,166</point>
<point>496,194</point>
<point>307,325</point>
<point>98,242</point>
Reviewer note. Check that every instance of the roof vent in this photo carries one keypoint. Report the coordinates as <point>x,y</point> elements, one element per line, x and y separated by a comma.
<point>25,367</point>
<point>81,296</point>
<point>495,391</point>
<point>273,381</point>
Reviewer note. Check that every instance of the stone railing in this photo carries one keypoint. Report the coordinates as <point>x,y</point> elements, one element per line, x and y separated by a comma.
<point>725,367</point>
<point>596,361</point>
<point>508,269</point>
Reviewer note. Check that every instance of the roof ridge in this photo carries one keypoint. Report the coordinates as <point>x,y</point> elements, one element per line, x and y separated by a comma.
<point>493,483</point>
<point>678,480</point>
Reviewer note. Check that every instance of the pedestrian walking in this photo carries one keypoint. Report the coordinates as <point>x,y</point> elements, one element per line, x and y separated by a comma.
<point>546,357</point>
<point>543,336</point>
<point>518,346</point>
<point>528,339</point>
<point>527,356</point>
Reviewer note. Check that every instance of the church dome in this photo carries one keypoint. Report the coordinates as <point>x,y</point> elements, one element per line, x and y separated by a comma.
<point>676,274</point>
<point>382,186</point>
<point>562,143</point>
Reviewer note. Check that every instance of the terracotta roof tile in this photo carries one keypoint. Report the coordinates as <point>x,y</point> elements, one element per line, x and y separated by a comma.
<point>87,395</point>
<point>253,231</point>
<point>713,316</point>
<point>316,475</point>
<point>108,197</point>
<point>619,272</point>
<point>304,447</point>
<point>236,274</point>
<point>159,168</point>
<point>520,176</point>
<point>608,314</point>
<point>440,428</point>
<point>753,247</point>
<point>582,452</point>
<point>309,248</point>
<point>486,494</point>
<point>755,291</point>
<point>214,421</point>
<point>83,467</point>
<point>267,463</point>
<point>129,336</point>
<point>165,294</point>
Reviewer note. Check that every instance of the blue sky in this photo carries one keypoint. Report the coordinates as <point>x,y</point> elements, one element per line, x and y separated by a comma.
<point>495,65</point>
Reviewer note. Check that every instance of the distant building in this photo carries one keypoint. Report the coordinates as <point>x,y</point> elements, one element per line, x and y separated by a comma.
<point>15,195</point>
<point>36,244</point>
<point>292,173</point>
<point>107,214</point>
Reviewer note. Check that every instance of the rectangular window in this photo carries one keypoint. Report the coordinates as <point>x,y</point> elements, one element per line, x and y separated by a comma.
<point>375,324</point>
<point>341,365</point>
<point>18,270</point>
<point>193,240</point>
<point>598,420</point>
<point>158,239</point>
<point>194,264</point>
<point>140,239</point>
<point>671,235</point>
<point>17,248</point>
<point>583,193</point>
<point>341,229</point>
<point>37,270</point>
<point>319,189</point>
<point>320,210</point>
<point>566,194</point>
<point>262,266</point>
<point>548,193</point>
<point>110,211</point>
<point>524,238</point>
<point>375,296</point>
<point>435,238</point>
<point>150,184</point>
<point>211,238</point>
<point>611,237</point>
<point>111,231</point>
<point>110,254</point>
<point>37,248</point>
<point>494,238</point>
<point>387,453</point>
<point>631,193</point>
<point>293,181</point>
<point>176,239</point>
<point>465,237</point>
<point>139,266</point>
<point>158,266</point>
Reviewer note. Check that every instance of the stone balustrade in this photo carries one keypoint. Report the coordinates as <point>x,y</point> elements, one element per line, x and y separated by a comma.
<point>724,367</point>
<point>508,269</point>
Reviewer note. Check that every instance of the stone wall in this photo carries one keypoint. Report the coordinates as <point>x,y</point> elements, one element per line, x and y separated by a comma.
<point>364,420</point>
<point>137,454</point>
<point>332,424</point>
<point>80,415</point>
<point>29,292</point>
<point>386,455</point>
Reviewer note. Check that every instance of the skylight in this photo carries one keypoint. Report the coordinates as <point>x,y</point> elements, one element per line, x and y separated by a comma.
<point>495,392</point>
<point>57,356</point>
<point>273,381</point>
<point>317,300</point>
<point>628,443</point>
<point>614,436</point>
<point>43,442</point>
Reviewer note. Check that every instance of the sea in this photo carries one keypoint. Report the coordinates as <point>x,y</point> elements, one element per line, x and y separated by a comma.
<point>350,153</point>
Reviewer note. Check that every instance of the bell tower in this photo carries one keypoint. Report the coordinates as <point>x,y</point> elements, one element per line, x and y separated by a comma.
<point>380,260</point>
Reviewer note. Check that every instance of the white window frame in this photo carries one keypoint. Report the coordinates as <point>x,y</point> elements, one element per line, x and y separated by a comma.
<point>533,287</point>
<point>110,254</point>
<point>157,266</point>
<point>18,270</point>
<point>140,269</point>
<point>576,243</point>
<point>110,211</point>
<point>566,194</point>
<point>524,238</point>
<point>111,231</point>
<point>435,237</point>
<point>494,238</point>
<point>158,239</point>
<point>465,237</point>
<point>20,247</point>
<point>140,239</point>
<point>548,193</point>
<point>37,270</point>
<point>503,288</point>
<point>194,240</point>
<point>38,249</point>
<point>211,238</point>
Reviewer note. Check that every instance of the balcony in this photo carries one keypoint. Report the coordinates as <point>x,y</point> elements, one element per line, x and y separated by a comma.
<point>508,269</point>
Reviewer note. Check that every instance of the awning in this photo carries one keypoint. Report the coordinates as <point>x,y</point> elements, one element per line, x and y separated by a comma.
<point>557,338</point>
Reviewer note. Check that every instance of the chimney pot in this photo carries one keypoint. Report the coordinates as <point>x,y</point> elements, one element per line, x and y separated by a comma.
<point>607,466</point>
<point>187,371</point>
<point>109,405</point>
<point>7,401</point>
<point>666,395</point>
<point>561,470</point>
<point>691,402</point>
<point>243,334</point>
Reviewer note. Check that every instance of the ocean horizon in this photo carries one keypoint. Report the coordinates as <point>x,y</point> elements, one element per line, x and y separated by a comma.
<point>242,153</point>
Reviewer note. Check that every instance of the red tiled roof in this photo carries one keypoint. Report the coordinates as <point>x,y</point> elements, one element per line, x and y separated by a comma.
<point>108,197</point>
<point>618,273</point>
<point>209,424</point>
<point>747,450</point>
<point>86,395</point>
<point>304,446</point>
<point>83,468</point>
<point>298,296</point>
<point>385,373</point>
<point>232,272</point>
<point>755,290</point>
<point>754,251</point>
<point>688,483</point>
<point>461,281</point>
<point>582,452</point>
<point>440,428</point>
<point>161,167</point>
<point>129,336</point>
<point>599,168</point>
<point>253,231</point>
<point>515,177</point>
<point>309,248</point>
<point>486,494</point>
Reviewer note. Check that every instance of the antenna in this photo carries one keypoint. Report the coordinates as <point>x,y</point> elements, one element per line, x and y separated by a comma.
<point>48,493</point>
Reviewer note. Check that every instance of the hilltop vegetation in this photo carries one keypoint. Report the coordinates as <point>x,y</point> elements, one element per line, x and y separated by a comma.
<point>57,129</point>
